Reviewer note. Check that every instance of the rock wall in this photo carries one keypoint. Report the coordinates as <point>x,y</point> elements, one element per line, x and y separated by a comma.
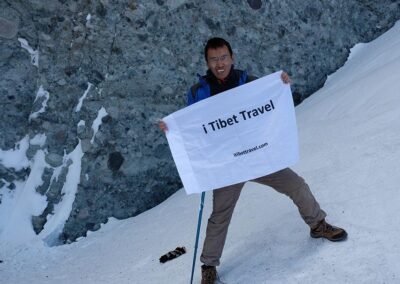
<point>122,65</point>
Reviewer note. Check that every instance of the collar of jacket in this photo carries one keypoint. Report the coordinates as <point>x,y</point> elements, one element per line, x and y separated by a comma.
<point>203,79</point>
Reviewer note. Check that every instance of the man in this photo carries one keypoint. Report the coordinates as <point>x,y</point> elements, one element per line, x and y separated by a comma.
<point>222,76</point>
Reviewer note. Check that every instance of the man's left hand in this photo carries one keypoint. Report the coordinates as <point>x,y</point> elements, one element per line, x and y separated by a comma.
<point>285,78</point>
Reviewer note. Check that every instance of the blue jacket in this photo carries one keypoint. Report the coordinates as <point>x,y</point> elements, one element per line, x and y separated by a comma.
<point>201,90</point>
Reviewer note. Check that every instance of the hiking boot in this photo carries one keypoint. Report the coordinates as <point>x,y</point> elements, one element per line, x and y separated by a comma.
<point>327,231</point>
<point>208,274</point>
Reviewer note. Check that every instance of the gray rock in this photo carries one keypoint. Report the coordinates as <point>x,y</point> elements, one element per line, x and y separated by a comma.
<point>30,153</point>
<point>38,223</point>
<point>61,82</point>
<point>80,131</point>
<point>54,160</point>
<point>8,29</point>
<point>86,145</point>
<point>83,213</point>
<point>115,160</point>
<point>141,63</point>
<point>255,4</point>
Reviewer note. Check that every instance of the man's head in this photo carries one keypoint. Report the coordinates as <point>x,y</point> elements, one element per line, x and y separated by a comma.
<point>219,57</point>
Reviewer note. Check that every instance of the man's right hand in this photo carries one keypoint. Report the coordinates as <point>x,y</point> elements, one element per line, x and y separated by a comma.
<point>163,126</point>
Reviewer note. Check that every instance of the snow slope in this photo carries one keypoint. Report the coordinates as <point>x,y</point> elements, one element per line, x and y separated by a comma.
<point>350,147</point>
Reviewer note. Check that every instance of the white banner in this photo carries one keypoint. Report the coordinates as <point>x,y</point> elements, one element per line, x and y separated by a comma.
<point>238,135</point>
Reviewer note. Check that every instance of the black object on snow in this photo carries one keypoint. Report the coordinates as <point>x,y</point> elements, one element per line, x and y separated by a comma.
<point>172,254</point>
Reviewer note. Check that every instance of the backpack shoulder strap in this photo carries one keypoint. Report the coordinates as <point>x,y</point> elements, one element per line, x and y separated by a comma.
<point>251,78</point>
<point>244,77</point>
<point>194,89</point>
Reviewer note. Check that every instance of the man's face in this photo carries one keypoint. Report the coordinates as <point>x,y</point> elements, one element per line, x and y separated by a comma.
<point>219,61</point>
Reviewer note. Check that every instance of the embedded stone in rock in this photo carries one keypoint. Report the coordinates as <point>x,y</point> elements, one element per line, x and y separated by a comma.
<point>92,226</point>
<point>86,145</point>
<point>30,153</point>
<point>61,82</point>
<point>69,70</point>
<point>142,37</point>
<point>96,77</point>
<point>60,136</point>
<point>8,29</point>
<point>255,4</point>
<point>54,160</point>
<point>106,119</point>
<point>83,214</point>
<point>115,161</point>
<point>101,10</point>
<point>38,223</point>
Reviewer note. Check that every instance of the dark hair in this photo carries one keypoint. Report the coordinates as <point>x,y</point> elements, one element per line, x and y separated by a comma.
<point>214,43</point>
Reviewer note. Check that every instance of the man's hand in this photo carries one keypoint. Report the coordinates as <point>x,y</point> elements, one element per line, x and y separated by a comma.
<point>163,126</point>
<point>285,78</point>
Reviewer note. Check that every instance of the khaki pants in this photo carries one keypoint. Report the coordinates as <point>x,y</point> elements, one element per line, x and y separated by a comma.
<point>285,181</point>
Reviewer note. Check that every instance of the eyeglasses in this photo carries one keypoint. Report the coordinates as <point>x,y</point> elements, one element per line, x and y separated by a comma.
<point>222,58</point>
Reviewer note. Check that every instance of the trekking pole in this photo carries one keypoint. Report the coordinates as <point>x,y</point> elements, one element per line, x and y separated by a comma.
<point>203,194</point>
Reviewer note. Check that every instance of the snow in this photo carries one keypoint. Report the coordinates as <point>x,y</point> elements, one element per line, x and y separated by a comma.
<point>355,49</point>
<point>57,172</point>
<point>39,140</point>
<point>79,106</point>
<point>97,122</point>
<point>41,93</point>
<point>62,210</point>
<point>88,21</point>
<point>350,147</point>
<point>16,158</point>
<point>33,53</point>
<point>23,203</point>
<point>19,205</point>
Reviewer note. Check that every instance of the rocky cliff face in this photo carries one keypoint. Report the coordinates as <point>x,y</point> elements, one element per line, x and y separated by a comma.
<point>95,76</point>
